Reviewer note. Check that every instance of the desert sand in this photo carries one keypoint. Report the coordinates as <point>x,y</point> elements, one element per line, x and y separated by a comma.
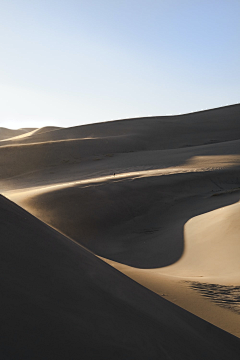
<point>6,134</point>
<point>121,239</point>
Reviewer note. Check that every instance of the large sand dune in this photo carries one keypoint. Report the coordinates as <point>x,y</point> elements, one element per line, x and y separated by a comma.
<point>157,198</point>
<point>59,301</point>
<point>160,132</point>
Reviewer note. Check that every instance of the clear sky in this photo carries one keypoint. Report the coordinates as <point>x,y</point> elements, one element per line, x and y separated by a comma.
<point>71,62</point>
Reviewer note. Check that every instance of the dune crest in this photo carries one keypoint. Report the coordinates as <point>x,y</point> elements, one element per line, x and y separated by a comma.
<point>9,133</point>
<point>29,133</point>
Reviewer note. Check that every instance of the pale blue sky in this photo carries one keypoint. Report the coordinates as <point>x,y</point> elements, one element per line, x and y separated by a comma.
<point>69,62</point>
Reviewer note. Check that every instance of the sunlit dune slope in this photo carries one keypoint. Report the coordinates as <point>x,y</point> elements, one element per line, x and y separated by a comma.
<point>152,196</point>
<point>205,280</point>
<point>136,216</point>
<point>59,301</point>
<point>212,245</point>
<point>136,221</point>
<point>126,138</point>
<point>28,134</point>
<point>123,145</point>
<point>9,133</point>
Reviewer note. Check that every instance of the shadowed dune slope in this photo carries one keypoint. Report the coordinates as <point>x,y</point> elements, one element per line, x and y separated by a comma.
<point>139,221</point>
<point>58,301</point>
<point>134,217</point>
<point>179,135</point>
<point>160,132</point>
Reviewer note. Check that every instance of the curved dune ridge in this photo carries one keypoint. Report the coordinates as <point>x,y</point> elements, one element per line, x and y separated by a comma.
<point>59,301</point>
<point>212,244</point>
<point>128,219</point>
<point>157,199</point>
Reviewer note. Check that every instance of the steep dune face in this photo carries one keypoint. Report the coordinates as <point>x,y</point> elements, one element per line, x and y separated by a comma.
<point>59,301</point>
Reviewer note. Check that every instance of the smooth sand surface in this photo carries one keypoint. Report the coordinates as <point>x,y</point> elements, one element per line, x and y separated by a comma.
<point>22,134</point>
<point>59,301</point>
<point>156,198</point>
<point>9,133</point>
<point>211,256</point>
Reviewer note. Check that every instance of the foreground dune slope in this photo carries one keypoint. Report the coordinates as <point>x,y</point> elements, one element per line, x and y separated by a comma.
<point>209,266</point>
<point>59,301</point>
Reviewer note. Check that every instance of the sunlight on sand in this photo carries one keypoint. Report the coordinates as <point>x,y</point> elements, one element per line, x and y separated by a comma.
<point>154,194</point>
<point>211,256</point>
<point>195,164</point>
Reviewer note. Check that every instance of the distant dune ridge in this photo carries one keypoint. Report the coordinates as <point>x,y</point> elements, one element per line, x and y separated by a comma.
<point>9,133</point>
<point>158,199</point>
<point>22,134</point>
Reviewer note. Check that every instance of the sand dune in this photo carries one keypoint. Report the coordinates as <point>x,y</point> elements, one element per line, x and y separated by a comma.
<point>123,144</point>
<point>211,240</point>
<point>9,133</point>
<point>160,132</point>
<point>28,133</point>
<point>59,301</point>
<point>136,217</point>
<point>156,198</point>
<point>209,265</point>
